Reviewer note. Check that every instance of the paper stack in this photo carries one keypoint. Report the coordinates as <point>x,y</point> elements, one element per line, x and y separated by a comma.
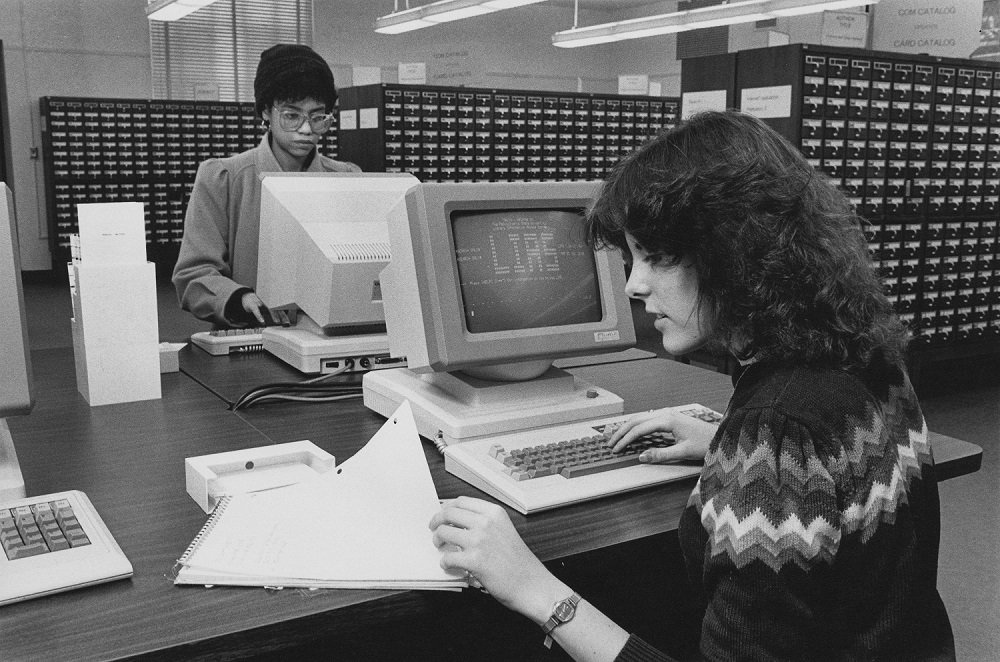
<point>362,525</point>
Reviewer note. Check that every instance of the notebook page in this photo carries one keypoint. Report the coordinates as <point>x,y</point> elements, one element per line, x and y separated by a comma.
<point>365,521</point>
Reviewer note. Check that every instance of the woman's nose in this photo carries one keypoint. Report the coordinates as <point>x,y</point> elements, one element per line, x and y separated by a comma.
<point>636,287</point>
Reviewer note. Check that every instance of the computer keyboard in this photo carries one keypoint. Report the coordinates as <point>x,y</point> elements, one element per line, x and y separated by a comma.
<point>53,543</point>
<point>229,341</point>
<point>546,468</point>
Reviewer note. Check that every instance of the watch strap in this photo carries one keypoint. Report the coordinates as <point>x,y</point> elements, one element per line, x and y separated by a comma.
<point>557,619</point>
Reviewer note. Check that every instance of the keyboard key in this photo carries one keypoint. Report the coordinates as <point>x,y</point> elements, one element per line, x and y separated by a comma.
<point>76,537</point>
<point>573,457</point>
<point>24,551</point>
<point>597,466</point>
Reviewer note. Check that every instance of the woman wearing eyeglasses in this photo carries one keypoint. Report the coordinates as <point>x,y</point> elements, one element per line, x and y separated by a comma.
<point>216,271</point>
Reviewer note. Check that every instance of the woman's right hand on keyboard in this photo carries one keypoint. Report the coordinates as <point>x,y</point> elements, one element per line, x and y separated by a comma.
<point>692,436</point>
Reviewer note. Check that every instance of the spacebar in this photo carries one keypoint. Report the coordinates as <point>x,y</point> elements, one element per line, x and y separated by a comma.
<point>600,465</point>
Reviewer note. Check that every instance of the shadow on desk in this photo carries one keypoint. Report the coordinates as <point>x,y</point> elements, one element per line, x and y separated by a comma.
<point>638,584</point>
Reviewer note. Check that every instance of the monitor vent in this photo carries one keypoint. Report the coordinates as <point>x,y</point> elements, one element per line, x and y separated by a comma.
<point>366,252</point>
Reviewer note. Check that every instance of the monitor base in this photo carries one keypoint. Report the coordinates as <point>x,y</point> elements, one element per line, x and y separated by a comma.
<point>451,408</point>
<point>11,480</point>
<point>307,349</point>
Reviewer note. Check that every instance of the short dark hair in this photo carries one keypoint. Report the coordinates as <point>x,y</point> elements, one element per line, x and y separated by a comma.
<point>292,72</point>
<point>782,260</point>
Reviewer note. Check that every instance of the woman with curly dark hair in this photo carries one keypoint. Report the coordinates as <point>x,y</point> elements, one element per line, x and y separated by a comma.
<point>813,529</point>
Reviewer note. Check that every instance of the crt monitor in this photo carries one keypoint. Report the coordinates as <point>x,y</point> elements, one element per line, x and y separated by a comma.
<point>489,283</point>
<point>323,242</point>
<point>15,361</point>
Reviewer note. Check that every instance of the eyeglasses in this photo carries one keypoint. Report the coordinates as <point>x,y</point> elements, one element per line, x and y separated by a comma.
<point>290,120</point>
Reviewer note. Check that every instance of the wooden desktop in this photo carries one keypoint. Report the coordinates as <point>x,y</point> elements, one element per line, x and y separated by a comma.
<point>129,459</point>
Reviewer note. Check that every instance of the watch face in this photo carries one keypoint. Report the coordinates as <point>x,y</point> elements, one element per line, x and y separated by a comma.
<point>564,611</point>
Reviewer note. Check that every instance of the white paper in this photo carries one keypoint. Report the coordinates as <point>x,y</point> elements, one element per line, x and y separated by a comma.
<point>412,73</point>
<point>368,118</point>
<point>696,102</point>
<point>633,84</point>
<point>348,120</point>
<point>767,102</point>
<point>363,525</point>
<point>112,233</point>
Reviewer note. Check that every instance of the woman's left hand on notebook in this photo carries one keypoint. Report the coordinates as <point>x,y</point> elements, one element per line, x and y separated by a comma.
<point>477,537</point>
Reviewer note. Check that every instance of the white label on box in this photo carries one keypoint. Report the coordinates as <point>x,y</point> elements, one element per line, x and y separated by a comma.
<point>696,102</point>
<point>767,102</point>
<point>348,120</point>
<point>112,233</point>
<point>368,118</point>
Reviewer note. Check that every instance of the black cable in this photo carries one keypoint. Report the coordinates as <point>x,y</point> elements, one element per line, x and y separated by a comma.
<point>307,390</point>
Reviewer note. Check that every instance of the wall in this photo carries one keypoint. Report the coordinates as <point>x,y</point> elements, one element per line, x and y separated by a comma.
<point>100,48</point>
<point>63,48</point>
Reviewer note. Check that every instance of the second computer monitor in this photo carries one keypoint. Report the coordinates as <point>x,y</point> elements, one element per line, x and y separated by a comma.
<point>323,242</point>
<point>486,276</point>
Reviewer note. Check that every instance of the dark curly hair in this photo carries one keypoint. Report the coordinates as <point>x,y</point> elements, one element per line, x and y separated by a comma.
<point>782,261</point>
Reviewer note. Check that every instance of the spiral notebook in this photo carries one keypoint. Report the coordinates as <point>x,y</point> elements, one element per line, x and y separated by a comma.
<point>362,525</point>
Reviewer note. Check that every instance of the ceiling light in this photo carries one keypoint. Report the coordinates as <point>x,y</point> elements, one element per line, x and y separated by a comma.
<point>440,12</point>
<point>797,9</point>
<point>171,10</point>
<point>741,11</point>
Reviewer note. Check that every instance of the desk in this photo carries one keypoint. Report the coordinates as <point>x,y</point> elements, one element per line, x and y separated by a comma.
<point>129,459</point>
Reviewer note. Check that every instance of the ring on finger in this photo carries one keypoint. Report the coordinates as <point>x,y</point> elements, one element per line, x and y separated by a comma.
<point>474,582</point>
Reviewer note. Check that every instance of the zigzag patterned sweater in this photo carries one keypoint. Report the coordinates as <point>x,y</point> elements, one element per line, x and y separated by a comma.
<point>814,527</point>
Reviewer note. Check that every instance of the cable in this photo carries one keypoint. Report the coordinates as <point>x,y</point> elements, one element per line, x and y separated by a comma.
<point>301,398</point>
<point>307,390</point>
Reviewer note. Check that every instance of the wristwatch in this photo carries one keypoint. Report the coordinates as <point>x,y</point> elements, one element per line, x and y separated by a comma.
<point>562,612</point>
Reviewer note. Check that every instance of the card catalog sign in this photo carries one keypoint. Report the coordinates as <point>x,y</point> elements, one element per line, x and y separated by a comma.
<point>454,65</point>
<point>845,28</point>
<point>937,27</point>
<point>413,73</point>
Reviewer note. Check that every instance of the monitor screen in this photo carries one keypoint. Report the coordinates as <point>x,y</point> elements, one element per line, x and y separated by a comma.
<point>524,269</point>
<point>493,273</point>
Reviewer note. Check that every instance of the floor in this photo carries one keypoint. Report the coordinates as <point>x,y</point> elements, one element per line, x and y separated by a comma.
<point>959,399</point>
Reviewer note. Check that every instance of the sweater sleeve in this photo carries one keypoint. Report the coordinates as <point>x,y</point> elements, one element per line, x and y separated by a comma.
<point>772,515</point>
<point>810,550</point>
<point>637,650</point>
<point>202,274</point>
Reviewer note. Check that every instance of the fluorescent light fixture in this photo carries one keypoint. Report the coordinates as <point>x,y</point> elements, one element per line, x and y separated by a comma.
<point>829,5</point>
<point>171,10</point>
<point>441,12</point>
<point>740,11</point>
